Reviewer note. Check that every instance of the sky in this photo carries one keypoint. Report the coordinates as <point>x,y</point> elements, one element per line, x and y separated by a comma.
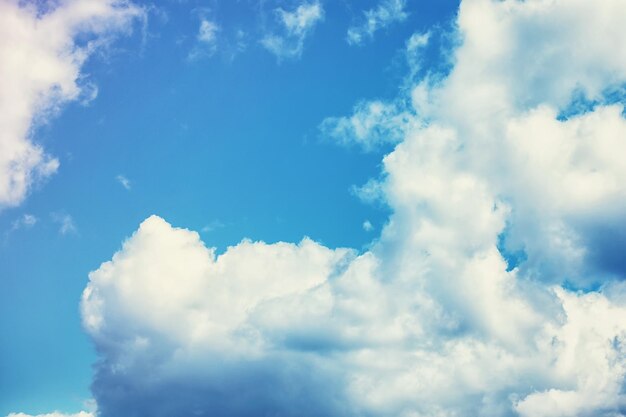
<point>312,207</point>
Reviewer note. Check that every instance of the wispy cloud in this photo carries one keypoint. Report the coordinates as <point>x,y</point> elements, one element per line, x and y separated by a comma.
<point>387,13</point>
<point>295,25</point>
<point>25,222</point>
<point>207,39</point>
<point>212,226</point>
<point>31,94</point>
<point>372,124</point>
<point>66,223</point>
<point>367,226</point>
<point>125,182</point>
<point>208,32</point>
<point>376,122</point>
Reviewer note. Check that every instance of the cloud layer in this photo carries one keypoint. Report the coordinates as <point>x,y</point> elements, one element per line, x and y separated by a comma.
<point>40,63</point>
<point>463,307</point>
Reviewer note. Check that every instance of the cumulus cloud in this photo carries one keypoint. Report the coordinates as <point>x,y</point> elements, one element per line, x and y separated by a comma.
<point>384,15</point>
<point>438,317</point>
<point>295,25</point>
<point>40,68</point>
<point>196,323</point>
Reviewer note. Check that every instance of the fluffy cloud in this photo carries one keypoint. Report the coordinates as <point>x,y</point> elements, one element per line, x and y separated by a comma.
<point>296,25</point>
<point>461,307</point>
<point>40,63</point>
<point>520,66</point>
<point>385,14</point>
<point>143,310</point>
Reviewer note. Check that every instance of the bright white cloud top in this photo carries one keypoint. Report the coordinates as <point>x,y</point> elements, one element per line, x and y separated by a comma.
<point>40,71</point>
<point>431,321</point>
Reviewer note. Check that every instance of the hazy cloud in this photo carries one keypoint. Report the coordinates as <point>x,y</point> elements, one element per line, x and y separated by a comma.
<point>125,182</point>
<point>295,25</point>
<point>207,40</point>
<point>386,13</point>
<point>65,222</point>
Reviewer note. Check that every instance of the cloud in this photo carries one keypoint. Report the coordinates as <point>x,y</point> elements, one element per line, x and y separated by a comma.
<point>387,13</point>
<point>372,124</point>
<point>42,50</point>
<point>125,182</point>
<point>196,324</point>
<point>207,38</point>
<point>208,32</point>
<point>26,221</point>
<point>65,222</point>
<point>367,226</point>
<point>212,226</point>
<point>438,317</point>
<point>296,26</point>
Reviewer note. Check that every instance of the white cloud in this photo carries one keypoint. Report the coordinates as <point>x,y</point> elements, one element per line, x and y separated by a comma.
<point>26,221</point>
<point>212,226</point>
<point>125,182</point>
<point>208,32</point>
<point>367,226</point>
<point>385,14</point>
<point>207,39</point>
<point>434,319</point>
<point>65,222</point>
<point>40,63</point>
<point>296,26</point>
<point>255,272</point>
<point>518,67</point>
<point>372,123</point>
<point>414,49</point>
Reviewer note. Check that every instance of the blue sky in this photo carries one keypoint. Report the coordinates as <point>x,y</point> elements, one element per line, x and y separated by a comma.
<point>428,137</point>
